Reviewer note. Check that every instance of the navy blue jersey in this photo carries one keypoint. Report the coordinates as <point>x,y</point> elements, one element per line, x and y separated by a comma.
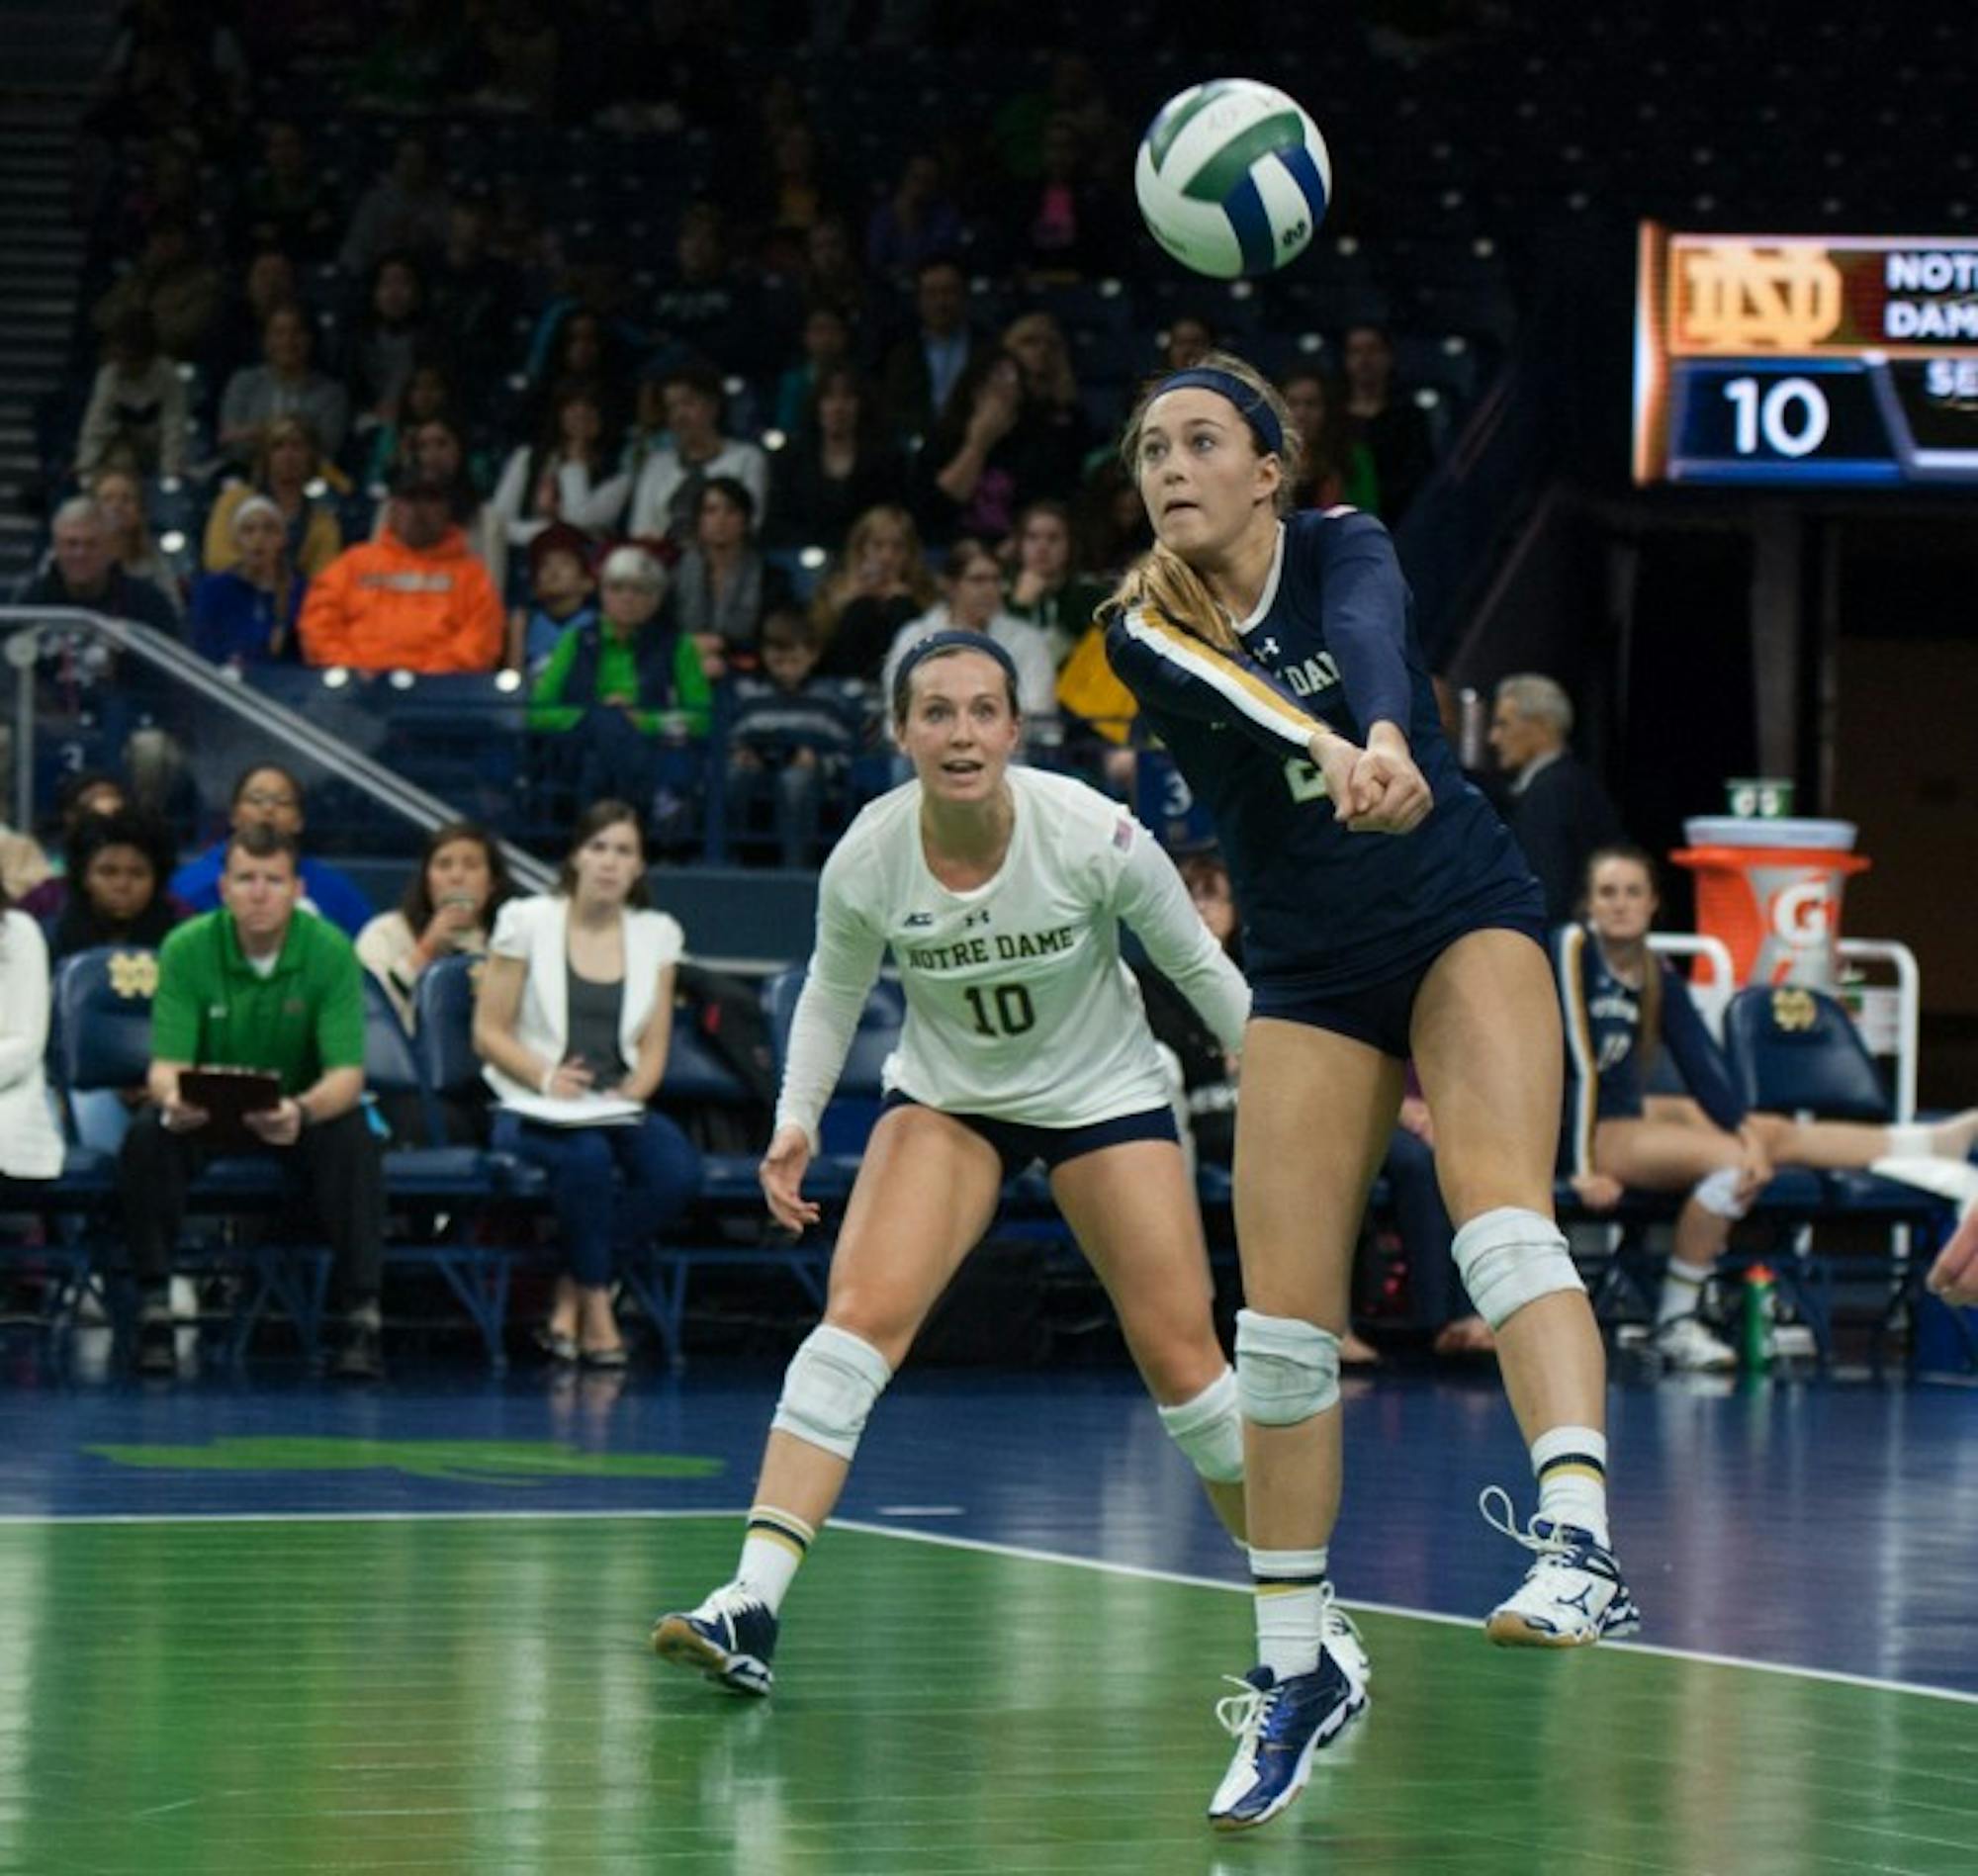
<point>1605,1070</point>
<point>1332,641</point>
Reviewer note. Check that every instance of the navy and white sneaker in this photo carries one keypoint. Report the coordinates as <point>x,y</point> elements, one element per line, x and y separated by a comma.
<point>1277,1725</point>
<point>730,1638</point>
<point>1572,1595</point>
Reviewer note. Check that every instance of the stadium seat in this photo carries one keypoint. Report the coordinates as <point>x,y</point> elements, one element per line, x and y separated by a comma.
<point>1795,1051</point>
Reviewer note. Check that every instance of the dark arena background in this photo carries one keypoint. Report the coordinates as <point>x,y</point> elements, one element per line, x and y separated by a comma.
<point>345,351</point>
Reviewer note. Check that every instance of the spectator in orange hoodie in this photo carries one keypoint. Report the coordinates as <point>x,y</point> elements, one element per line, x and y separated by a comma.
<point>416,598</point>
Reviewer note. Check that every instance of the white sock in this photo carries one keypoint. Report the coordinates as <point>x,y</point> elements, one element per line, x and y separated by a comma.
<point>1571,1465</point>
<point>1290,1606</point>
<point>1683,1291</point>
<point>771,1554</point>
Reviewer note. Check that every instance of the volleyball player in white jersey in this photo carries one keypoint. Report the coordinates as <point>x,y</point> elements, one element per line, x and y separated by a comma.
<point>1000,891</point>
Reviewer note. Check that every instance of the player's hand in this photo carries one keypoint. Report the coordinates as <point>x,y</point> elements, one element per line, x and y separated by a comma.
<point>1386,794</point>
<point>1335,759</point>
<point>279,1126</point>
<point>1955,1275</point>
<point>181,1116</point>
<point>781,1173</point>
<point>1598,1191</point>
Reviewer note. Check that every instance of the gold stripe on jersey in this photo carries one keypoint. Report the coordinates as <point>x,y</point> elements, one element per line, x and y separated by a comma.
<point>1249,693</point>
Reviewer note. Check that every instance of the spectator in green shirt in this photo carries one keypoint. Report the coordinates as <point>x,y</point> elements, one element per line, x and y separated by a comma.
<point>627,683</point>
<point>261,984</point>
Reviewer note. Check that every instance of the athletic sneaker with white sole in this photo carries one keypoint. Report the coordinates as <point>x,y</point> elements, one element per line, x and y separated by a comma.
<point>1686,1344</point>
<point>1279,1725</point>
<point>1572,1595</point>
<point>731,1639</point>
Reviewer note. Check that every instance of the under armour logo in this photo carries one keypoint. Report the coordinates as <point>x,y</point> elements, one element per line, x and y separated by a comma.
<point>976,918</point>
<point>1268,647</point>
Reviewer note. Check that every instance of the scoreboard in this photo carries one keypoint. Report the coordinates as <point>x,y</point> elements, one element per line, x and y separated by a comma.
<point>1834,361</point>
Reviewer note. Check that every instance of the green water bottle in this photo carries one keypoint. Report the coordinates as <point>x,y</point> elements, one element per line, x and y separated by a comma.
<point>1760,1305</point>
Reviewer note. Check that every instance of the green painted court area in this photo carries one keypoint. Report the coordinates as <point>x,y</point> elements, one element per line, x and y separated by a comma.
<point>475,1695</point>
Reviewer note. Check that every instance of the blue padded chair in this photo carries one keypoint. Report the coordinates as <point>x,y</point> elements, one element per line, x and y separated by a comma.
<point>1795,1051</point>
<point>443,1048</point>
<point>438,1179</point>
<point>855,1107</point>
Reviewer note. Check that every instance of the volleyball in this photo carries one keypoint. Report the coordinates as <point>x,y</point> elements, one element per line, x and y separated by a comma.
<point>1232,177</point>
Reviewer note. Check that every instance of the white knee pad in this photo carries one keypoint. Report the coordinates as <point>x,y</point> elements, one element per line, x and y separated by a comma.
<point>1510,1257</point>
<point>828,1390</point>
<point>1287,1369</point>
<point>1717,1193</point>
<point>1209,1429</point>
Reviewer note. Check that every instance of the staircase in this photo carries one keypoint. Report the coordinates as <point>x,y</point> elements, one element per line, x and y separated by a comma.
<point>53,56</point>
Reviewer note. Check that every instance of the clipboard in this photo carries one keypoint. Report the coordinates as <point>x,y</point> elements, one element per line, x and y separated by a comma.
<point>229,1094</point>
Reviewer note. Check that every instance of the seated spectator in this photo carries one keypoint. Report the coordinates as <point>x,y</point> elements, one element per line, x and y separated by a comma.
<point>1556,809</point>
<point>460,884</point>
<point>795,190</point>
<point>1189,340</point>
<point>565,475</point>
<point>1621,1004</point>
<point>30,1146</point>
<point>83,572</point>
<point>573,1020</point>
<point>1014,434</point>
<point>827,344</point>
<point>115,886</point>
<point>24,867</point>
<point>880,583</point>
<point>576,344</point>
<point>1336,467</point>
<point>428,397</point>
<point>1065,224</point>
<point>915,221</point>
<point>792,735</point>
<point>171,283</point>
<point>88,791</point>
<point>926,369</point>
<point>246,615</point>
<point>290,203</point>
<point>972,601</point>
<point>283,384</point>
<point>383,343</point>
<point>1110,530</point>
<point>667,496</point>
<point>404,209</point>
<point>119,499</point>
<point>413,599</point>
<point>267,794</point>
<point>623,682</point>
<point>722,585</point>
<point>701,310</point>
<point>832,276</point>
<point>564,595</point>
<point>135,419</point>
<point>838,464</point>
<point>268,284</point>
<point>288,472</point>
<point>475,293</point>
<point>1385,420</point>
<point>435,449</point>
<point>1044,591</point>
<point>261,984</point>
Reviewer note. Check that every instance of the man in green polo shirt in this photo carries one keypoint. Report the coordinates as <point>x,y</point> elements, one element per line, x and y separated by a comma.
<point>261,984</point>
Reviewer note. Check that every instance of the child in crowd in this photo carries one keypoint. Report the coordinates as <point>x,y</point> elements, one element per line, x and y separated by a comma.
<point>793,734</point>
<point>563,593</point>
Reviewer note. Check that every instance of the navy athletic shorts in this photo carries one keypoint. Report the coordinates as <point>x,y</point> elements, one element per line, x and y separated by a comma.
<point>1017,1144</point>
<point>1380,1015</point>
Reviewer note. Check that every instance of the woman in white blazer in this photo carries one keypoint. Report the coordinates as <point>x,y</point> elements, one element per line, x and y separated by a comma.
<point>30,1146</point>
<point>573,1021</point>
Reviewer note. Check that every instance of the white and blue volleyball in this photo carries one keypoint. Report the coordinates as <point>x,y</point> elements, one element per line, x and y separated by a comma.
<point>1233,178</point>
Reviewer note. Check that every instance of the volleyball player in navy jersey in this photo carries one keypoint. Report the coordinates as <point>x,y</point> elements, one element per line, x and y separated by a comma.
<point>1386,915</point>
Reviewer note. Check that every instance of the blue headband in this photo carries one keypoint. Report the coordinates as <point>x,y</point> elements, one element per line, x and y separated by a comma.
<point>933,646</point>
<point>1254,410</point>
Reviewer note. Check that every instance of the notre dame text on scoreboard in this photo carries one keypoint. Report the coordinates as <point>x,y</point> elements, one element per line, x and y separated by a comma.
<point>1837,360</point>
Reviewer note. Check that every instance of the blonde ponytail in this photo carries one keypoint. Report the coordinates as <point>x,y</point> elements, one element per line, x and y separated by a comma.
<point>1161,581</point>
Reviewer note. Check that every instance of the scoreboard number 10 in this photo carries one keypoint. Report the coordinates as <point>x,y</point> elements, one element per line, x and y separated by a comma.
<point>1791,416</point>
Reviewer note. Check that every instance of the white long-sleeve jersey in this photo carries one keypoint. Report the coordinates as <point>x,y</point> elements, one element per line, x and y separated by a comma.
<point>1018,1005</point>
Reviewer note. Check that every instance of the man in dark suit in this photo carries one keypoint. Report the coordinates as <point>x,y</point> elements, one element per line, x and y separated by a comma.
<point>924,367</point>
<point>1555,803</point>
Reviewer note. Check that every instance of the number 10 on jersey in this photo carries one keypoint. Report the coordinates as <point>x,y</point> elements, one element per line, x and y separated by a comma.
<point>1000,1009</point>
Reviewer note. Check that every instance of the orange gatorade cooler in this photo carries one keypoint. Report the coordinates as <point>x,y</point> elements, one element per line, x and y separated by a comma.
<point>1770,889</point>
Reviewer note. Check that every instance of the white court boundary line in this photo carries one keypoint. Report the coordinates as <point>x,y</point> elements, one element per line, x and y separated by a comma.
<point>943,1540</point>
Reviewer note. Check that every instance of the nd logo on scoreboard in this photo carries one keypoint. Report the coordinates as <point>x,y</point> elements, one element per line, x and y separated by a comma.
<point>1741,298</point>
